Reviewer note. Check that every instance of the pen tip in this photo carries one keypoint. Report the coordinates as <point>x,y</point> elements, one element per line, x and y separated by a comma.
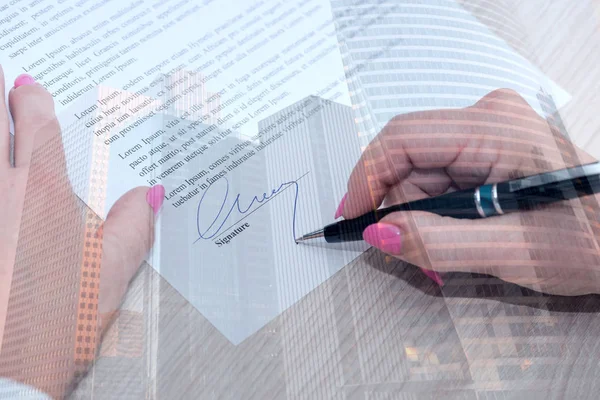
<point>312,235</point>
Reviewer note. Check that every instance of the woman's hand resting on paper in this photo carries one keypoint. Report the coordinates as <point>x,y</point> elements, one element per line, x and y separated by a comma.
<point>551,249</point>
<point>55,254</point>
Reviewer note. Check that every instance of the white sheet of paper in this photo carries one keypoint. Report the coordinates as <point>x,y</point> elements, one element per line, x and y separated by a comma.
<point>269,66</point>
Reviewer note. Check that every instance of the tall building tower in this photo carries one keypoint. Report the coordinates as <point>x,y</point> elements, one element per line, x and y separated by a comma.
<point>190,88</point>
<point>323,125</point>
<point>409,55</point>
<point>324,136</point>
<point>61,280</point>
<point>194,102</point>
<point>211,108</point>
<point>569,155</point>
<point>318,130</point>
<point>189,126</point>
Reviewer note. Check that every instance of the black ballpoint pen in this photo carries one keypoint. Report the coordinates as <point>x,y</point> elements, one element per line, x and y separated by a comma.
<point>480,202</point>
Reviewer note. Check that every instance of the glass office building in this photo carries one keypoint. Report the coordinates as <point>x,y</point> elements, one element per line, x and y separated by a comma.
<point>411,55</point>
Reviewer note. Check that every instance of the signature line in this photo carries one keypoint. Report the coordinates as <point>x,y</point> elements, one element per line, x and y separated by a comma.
<point>263,204</point>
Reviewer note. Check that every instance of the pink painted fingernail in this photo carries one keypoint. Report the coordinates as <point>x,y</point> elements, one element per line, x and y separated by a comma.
<point>155,197</point>
<point>340,209</point>
<point>385,237</point>
<point>24,79</point>
<point>437,278</point>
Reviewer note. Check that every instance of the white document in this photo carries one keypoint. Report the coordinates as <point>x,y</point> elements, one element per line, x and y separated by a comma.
<point>242,110</point>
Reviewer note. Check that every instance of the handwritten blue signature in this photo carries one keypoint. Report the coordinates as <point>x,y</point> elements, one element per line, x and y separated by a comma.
<point>218,222</point>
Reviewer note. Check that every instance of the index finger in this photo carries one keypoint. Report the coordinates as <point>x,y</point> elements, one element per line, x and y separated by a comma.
<point>471,145</point>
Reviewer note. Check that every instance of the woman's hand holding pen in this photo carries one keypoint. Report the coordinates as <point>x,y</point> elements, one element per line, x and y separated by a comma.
<point>551,249</point>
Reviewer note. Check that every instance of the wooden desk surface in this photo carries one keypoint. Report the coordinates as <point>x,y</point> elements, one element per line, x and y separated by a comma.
<point>379,329</point>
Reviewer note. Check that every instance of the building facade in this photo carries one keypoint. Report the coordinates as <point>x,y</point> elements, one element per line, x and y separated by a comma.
<point>404,56</point>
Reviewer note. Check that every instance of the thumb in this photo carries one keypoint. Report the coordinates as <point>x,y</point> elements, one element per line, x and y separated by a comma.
<point>127,236</point>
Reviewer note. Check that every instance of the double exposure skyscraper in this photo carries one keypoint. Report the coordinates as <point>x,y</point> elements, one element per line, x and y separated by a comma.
<point>411,55</point>
<point>407,55</point>
<point>313,127</point>
<point>62,281</point>
<point>325,125</point>
<point>193,101</point>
